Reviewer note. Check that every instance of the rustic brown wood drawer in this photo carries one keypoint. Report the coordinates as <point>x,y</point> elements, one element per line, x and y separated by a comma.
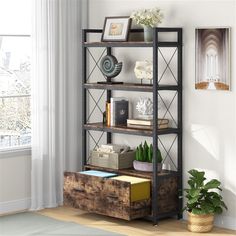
<point>103,196</point>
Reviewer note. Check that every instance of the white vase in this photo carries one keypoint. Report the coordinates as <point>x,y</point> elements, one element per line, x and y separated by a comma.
<point>148,33</point>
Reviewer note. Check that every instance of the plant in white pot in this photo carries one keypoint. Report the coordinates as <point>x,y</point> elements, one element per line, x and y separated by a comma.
<point>147,18</point>
<point>144,158</point>
<point>203,201</point>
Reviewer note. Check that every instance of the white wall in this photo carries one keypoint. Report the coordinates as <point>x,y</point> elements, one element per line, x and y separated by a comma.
<point>14,183</point>
<point>209,116</point>
<point>15,166</point>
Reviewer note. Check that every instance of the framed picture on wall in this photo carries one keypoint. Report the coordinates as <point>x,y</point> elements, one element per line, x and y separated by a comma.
<point>116,28</point>
<point>212,58</point>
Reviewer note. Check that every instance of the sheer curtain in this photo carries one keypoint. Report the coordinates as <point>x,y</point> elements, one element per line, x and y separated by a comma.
<point>56,97</point>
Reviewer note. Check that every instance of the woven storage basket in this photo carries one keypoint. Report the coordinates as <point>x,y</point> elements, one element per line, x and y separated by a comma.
<point>200,223</point>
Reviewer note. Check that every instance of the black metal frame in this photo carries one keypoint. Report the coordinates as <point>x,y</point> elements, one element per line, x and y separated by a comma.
<point>155,45</point>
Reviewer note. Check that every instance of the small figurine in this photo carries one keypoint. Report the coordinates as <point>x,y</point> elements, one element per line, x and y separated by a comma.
<point>145,108</point>
<point>110,66</point>
<point>143,70</point>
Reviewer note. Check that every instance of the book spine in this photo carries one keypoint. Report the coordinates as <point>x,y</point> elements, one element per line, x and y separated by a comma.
<point>108,114</point>
<point>149,127</point>
<point>121,110</point>
<point>111,112</point>
<point>146,122</point>
<point>114,114</point>
<point>112,108</point>
<point>138,122</point>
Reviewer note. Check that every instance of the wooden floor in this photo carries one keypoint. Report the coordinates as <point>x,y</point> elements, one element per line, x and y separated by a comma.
<point>168,227</point>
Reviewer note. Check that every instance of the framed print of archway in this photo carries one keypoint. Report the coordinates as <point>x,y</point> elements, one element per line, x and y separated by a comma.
<point>212,58</point>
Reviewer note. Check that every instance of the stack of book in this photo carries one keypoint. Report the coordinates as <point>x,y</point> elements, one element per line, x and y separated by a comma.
<point>147,124</point>
<point>117,111</point>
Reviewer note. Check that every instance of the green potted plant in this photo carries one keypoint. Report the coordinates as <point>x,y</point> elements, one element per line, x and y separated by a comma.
<point>144,157</point>
<point>147,18</point>
<point>203,201</point>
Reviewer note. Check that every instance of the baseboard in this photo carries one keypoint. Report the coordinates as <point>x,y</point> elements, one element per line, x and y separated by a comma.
<point>14,206</point>
<point>221,221</point>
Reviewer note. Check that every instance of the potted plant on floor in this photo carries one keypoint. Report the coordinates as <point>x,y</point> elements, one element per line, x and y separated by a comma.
<point>203,202</point>
<point>144,157</point>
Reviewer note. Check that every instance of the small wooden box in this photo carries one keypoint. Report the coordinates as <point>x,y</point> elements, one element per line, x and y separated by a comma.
<point>112,160</point>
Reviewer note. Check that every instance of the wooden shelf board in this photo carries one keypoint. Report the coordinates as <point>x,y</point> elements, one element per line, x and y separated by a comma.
<point>130,87</point>
<point>128,130</point>
<point>129,44</point>
<point>119,44</point>
<point>132,172</point>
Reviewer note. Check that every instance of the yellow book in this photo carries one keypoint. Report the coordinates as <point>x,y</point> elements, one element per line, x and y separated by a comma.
<point>140,187</point>
<point>108,113</point>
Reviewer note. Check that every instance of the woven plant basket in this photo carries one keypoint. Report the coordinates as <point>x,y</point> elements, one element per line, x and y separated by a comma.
<point>200,223</point>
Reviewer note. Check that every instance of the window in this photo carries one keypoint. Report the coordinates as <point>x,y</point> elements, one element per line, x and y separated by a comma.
<point>15,74</point>
<point>15,121</point>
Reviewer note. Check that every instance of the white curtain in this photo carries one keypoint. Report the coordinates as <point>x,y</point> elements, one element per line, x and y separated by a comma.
<point>56,97</point>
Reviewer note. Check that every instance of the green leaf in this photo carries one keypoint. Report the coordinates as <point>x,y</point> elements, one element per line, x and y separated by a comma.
<point>223,205</point>
<point>214,195</point>
<point>193,172</point>
<point>207,207</point>
<point>191,183</point>
<point>214,183</point>
<point>188,196</point>
<point>141,153</point>
<point>218,210</point>
<point>159,157</point>
<point>198,177</point>
<point>145,151</point>
<point>216,202</point>
<point>194,192</point>
<point>193,200</point>
<point>137,154</point>
<point>197,211</point>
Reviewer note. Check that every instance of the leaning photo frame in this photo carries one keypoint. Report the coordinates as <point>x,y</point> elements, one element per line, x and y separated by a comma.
<point>116,29</point>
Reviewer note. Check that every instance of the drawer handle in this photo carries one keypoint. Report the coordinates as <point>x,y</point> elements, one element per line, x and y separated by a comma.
<point>79,190</point>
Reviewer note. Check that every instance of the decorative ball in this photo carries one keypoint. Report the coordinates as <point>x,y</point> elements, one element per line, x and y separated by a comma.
<point>110,66</point>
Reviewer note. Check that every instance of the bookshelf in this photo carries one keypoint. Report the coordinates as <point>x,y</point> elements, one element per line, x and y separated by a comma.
<point>157,179</point>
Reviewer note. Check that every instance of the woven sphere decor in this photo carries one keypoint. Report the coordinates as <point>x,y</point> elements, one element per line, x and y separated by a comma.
<point>200,223</point>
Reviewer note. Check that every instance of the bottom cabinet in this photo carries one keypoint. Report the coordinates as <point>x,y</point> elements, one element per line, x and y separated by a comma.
<point>112,197</point>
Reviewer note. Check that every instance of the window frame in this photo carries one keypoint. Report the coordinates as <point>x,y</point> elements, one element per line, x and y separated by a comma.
<point>21,150</point>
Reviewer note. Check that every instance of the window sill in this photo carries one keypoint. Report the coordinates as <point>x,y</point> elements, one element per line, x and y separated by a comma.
<point>15,152</point>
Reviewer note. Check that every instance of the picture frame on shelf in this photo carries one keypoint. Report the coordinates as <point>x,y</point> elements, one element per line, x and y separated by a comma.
<point>116,29</point>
